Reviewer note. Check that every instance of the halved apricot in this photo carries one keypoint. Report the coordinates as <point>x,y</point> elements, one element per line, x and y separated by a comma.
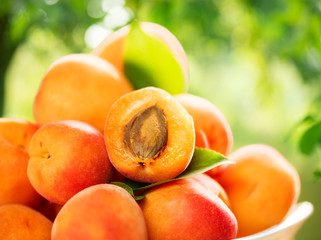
<point>149,136</point>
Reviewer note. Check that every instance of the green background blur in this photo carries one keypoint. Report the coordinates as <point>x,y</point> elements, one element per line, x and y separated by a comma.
<point>258,61</point>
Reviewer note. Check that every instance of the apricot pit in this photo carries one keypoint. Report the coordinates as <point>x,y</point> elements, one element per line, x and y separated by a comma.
<point>146,134</point>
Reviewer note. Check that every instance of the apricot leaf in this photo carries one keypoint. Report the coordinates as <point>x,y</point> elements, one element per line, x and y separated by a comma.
<point>309,134</point>
<point>202,161</point>
<point>128,189</point>
<point>148,61</point>
<point>317,175</point>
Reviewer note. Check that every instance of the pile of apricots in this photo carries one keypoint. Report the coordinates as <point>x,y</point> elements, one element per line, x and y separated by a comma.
<point>92,128</point>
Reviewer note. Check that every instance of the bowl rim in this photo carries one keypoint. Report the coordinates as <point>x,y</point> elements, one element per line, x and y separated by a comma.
<point>300,212</point>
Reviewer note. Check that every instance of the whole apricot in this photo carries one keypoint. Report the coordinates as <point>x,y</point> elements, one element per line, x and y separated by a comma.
<point>262,186</point>
<point>15,187</point>
<point>212,129</point>
<point>79,87</point>
<point>66,157</point>
<point>19,222</point>
<point>100,212</point>
<point>187,209</point>
<point>112,47</point>
<point>149,136</point>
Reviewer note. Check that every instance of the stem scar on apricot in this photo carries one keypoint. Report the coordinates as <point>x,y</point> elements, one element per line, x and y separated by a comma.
<point>146,134</point>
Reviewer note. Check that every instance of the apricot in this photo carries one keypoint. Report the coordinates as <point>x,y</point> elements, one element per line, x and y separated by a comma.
<point>79,87</point>
<point>15,187</point>
<point>19,222</point>
<point>212,129</point>
<point>112,47</point>
<point>262,186</point>
<point>149,136</point>
<point>213,186</point>
<point>186,209</point>
<point>66,157</point>
<point>100,212</point>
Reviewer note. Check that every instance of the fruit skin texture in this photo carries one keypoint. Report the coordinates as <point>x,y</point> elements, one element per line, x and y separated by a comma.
<point>66,157</point>
<point>21,222</point>
<point>185,209</point>
<point>112,47</point>
<point>179,147</point>
<point>212,129</point>
<point>15,187</point>
<point>100,212</point>
<point>213,186</point>
<point>80,87</point>
<point>262,186</point>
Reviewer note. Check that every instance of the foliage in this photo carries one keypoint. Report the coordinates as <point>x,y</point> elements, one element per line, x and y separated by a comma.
<point>273,31</point>
<point>143,69</point>
<point>66,19</point>
<point>202,161</point>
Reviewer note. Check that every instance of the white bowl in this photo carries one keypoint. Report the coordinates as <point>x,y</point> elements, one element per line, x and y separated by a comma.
<point>288,228</point>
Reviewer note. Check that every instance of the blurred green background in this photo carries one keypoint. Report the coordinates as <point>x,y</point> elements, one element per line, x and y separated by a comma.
<point>259,61</point>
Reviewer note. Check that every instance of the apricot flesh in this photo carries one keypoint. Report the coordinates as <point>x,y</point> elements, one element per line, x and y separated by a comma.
<point>100,212</point>
<point>262,186</point>
<point>187,209</point>
<point>21,222</point>
<point>15,187</point>
<point>149,136</point>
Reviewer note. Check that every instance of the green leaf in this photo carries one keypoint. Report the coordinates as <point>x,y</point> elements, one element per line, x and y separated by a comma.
<point>317,175</point>
<point>309,135</point>
<point>124,186</point>
<point>128,189</point>
<point>202,161</point>
<point>148,61</point>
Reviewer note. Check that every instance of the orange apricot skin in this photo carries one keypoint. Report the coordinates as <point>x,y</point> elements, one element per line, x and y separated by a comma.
<point>66,157</point>
<point>262,186</point>
<point>22,222</point>
<point>185,209</point>
<point>213,186</point>
<point>100,212</point>
<point>17,131</point>
<point>15,187</point>
<point>179,148</point>
<point>112,47</point>
<point>212,129</point>
<point>79,87</point>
